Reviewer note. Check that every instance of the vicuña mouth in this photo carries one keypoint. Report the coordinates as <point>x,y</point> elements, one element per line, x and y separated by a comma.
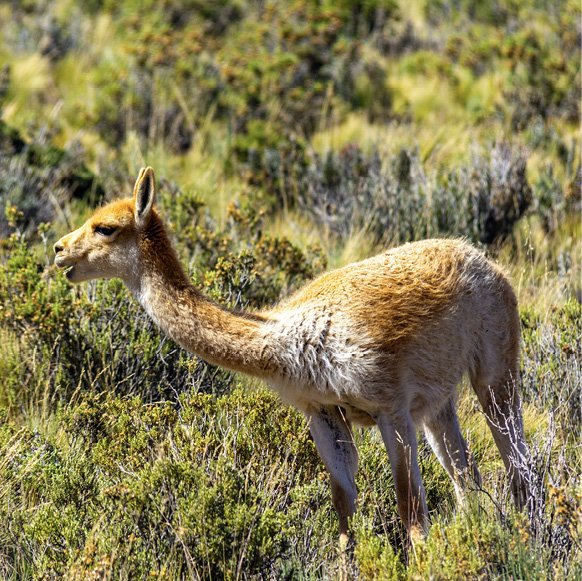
<point>60,262</point>
<point>69,271</point>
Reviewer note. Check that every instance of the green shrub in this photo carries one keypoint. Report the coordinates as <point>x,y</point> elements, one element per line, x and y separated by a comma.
<point>545,76</point>
<point>37,178</point>
<point>376,558</point>
<point>202,487</point>
<point>240,264</point>
<point>102,340</point>
<point>272,79</point>
<point>552,351</point>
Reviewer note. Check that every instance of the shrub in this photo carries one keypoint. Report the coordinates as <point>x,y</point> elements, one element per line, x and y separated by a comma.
<point>552,352</point>
<point>545,77</point>
<point>43,28</point>
<point>556,200</point>
<point>240,264</point>
<point>144,102</point>
<point>272,80</point>
<point>80,344</point>
<point>181,489</point>
<point>38,179</point>
<point>102,340</point>
<point>396,201</point>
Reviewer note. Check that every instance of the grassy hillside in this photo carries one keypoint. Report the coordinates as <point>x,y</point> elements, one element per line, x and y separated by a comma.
<point>288,137</point>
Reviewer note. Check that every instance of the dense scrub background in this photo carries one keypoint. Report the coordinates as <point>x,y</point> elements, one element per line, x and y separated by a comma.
<point>288,137</point>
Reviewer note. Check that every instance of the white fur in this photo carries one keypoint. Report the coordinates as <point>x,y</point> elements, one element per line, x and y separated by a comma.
<point>323,356</point>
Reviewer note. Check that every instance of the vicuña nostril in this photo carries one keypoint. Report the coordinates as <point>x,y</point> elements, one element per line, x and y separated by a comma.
<point>58,248</point>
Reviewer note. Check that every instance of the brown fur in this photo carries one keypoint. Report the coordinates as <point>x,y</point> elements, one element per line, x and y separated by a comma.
<point>384,341</point>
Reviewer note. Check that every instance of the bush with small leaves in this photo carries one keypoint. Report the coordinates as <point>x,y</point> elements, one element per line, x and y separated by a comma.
<point>39,178</point>
<point>397,201</point>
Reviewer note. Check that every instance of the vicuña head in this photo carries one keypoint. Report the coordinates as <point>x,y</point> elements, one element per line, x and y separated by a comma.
<point>107,245</point>
<point>381,342</point>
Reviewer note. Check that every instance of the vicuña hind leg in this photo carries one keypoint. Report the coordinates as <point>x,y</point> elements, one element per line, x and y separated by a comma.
<point>501,404</point>
<point>444,435</point>
<point>399,435</point>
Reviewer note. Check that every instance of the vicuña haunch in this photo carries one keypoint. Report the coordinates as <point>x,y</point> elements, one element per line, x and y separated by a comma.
<point>384,341</point>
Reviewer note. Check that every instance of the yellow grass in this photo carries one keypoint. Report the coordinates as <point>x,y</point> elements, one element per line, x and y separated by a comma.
<point>532,262</point>
<point>30,79</point>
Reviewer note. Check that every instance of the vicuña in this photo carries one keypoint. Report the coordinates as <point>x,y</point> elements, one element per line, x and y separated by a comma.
<point>384,341</point>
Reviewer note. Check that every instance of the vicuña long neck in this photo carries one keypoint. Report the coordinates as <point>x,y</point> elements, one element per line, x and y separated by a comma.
<point>231,340</point>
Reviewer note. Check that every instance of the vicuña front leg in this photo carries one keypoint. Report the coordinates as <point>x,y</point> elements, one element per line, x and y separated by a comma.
<point>444,435</point>
<point>399,435</point>
<point>333,438</point>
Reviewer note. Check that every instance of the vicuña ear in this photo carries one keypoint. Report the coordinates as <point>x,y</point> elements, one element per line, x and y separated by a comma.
<point>144,193</point>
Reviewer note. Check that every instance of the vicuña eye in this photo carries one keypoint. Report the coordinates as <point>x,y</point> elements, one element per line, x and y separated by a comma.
<point>105,230</point>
